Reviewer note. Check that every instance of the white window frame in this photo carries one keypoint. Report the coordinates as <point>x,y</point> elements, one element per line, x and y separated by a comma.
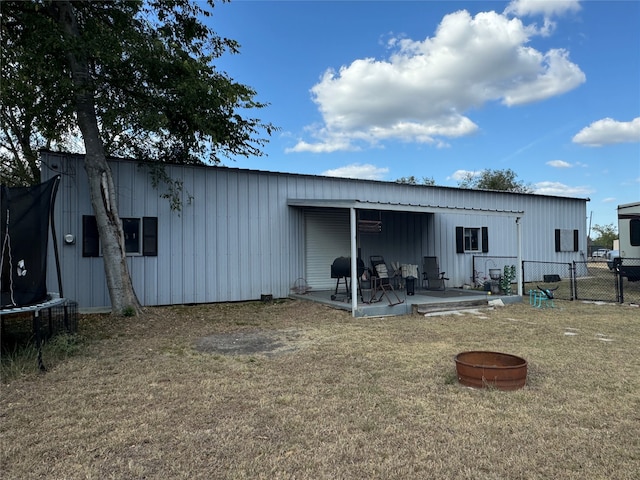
<point>468,239</point>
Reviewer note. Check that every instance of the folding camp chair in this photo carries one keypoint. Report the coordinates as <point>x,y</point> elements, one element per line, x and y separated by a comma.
<point>432,277</point>
<point>382,283</point>
<point>541,298</point>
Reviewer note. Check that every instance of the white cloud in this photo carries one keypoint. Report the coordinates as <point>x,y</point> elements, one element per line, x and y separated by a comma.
<point>557,76</point>
<point>333,145</point>
<point>561,190</point>
<point>609,131</point>
<point>608,200</point>
<point>422,91</point>
<point>547,8</point>
<point>355,170</point>
<point>463,174</point>
<point>559,164</point>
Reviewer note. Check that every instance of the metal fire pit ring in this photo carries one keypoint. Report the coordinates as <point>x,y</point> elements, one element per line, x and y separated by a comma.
<point>482,369</point>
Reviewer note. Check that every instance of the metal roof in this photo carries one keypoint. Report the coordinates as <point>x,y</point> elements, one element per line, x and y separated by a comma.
<point>325,177</point>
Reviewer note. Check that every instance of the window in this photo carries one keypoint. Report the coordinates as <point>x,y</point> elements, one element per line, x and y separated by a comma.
<point>140,236</point>
<point>472,239</point>
<point>131,229</point>
<point>567,240</point>
<point>634,232</point>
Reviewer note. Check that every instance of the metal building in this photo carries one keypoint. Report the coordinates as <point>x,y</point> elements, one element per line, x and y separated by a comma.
<point>242,234</point>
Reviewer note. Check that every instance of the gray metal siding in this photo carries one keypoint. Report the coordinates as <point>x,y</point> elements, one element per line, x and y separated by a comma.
<point>400,240</point>
<point>502,236</point>
<point>236,238</point>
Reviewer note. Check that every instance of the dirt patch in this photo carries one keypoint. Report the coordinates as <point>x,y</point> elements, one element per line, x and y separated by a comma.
<point>249,343</point>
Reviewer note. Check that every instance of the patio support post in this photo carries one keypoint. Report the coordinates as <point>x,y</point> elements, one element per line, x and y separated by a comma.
<point>519,258</point>
<point>354,262</point>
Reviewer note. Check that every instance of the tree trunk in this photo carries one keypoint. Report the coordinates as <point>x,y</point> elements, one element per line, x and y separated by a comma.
<point>101,187</point>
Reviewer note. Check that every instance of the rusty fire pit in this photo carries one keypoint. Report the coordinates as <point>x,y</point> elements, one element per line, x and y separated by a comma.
<point>478,369</point>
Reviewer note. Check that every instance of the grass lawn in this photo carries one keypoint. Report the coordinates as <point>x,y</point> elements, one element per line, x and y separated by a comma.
<point>297,390</point>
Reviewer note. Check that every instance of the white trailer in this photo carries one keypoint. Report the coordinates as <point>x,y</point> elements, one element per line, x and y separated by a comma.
<point>629,234</point>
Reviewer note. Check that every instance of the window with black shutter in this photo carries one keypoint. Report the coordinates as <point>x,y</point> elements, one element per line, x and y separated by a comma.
<point>566,240</point>
<point>472,239</point>
<point>140,236</point>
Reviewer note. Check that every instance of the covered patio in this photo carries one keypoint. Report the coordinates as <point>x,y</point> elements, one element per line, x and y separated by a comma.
<point>424,301</point>
<point>414,234</point>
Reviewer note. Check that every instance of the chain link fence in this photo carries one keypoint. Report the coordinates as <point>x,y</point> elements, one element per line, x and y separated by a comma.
<point>594,280</point>
<point>554,276</point>
<point>628,270</point>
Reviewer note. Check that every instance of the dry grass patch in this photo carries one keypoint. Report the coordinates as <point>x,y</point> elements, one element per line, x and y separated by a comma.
<point>336,397</point>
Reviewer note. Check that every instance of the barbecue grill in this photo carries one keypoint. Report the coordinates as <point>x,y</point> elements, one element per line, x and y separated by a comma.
<point>341,270</point>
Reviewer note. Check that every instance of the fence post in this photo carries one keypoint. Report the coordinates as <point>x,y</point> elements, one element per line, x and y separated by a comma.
<point>620,288</point>
<point>573,283</point>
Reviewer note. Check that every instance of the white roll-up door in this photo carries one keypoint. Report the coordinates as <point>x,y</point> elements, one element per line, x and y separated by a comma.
<point>326,238</point>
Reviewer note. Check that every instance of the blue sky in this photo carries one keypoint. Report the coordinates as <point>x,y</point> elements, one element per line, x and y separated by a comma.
<point>389,89</point>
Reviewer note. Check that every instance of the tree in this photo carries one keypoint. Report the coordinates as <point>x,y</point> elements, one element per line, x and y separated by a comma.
<point>32,117</point>
<point>606,235</point>
<point>412,180</point>
<point>503,180</point>
<point>136,78</point>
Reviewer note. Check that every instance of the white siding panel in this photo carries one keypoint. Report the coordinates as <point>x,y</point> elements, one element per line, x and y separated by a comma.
<point>191,230</point>
<point>208,227</point>
<point>199,230</point>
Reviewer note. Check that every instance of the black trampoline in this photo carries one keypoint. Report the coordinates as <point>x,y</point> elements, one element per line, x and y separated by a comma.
<point>26,219</point>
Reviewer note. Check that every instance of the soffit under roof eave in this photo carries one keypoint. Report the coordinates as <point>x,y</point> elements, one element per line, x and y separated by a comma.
<point>397,207</point>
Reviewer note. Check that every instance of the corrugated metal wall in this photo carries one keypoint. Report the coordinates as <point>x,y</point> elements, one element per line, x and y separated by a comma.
<point>236,238</point>
<point>401,239</point>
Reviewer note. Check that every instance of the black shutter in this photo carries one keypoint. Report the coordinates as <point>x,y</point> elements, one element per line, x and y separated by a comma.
<point>90,237</point>
<point>557,239</point>
<point>575,241</point>
<point>485,239</point>
<point>459,239</point>
<point>150,236</point>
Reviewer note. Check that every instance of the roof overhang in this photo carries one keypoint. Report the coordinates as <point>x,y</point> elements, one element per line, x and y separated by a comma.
<point>398,207</point>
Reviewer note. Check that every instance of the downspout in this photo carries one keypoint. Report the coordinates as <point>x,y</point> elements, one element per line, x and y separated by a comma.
<point>519,258</point>
<point>354,263</point>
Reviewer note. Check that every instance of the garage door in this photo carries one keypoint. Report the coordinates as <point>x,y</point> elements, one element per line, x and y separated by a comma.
<point>326,237</point>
